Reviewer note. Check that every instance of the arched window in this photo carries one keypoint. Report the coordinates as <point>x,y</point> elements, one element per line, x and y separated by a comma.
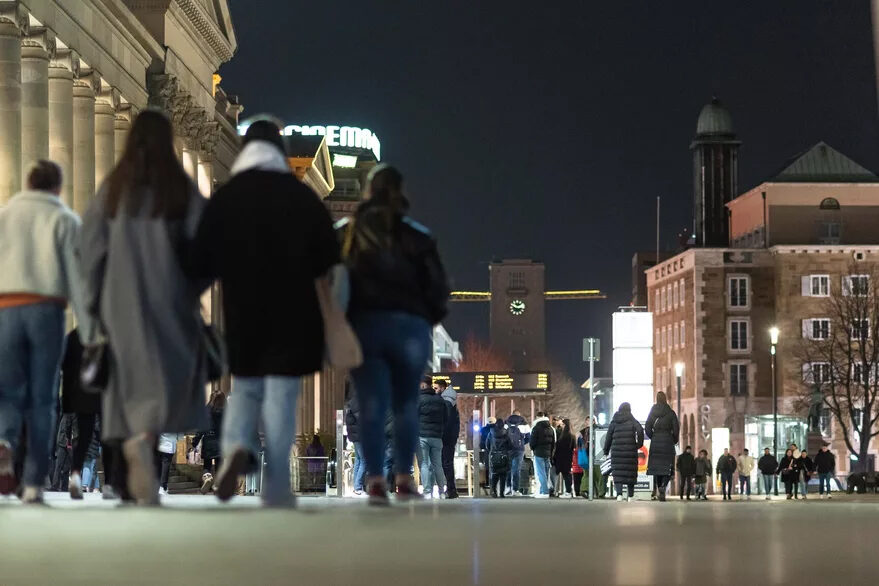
<point>829,203</point>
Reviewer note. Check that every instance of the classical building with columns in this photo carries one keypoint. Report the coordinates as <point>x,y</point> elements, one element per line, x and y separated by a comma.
<point>73,73</point>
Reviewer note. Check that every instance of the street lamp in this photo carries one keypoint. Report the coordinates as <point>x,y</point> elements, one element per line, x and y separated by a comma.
<point>679,372</point>
<point>773,339</point>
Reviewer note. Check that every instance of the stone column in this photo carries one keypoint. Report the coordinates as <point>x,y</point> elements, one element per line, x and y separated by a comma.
<point>84,89</point>
<point>189,162</point>
<point>205,175</point>
<point>61,72</point>
<point>105,132</point>
<point>36,50</point>
<point>12,21</point>
<point>121,126</point>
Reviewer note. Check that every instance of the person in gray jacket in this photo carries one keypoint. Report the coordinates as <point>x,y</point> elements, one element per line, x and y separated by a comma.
<point>39,276</point>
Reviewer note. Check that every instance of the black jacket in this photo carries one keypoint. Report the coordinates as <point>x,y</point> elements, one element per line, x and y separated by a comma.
<point>542,440</point>
<point>787,468</point>
<point>453,424</point>
<point>431,414</point>
<point>393,263</point>
<point>825,462</point>
<point>210,448</point>
<point>726,464</point>
<point>624,437</point>
<point>767,465</point>
<point>352,419</point>
<point>499,440</point>
<point>804,465</point>
<point>662,428</point>
<point>73,398</point>
<point>564,451</point>
<point>686,464</point>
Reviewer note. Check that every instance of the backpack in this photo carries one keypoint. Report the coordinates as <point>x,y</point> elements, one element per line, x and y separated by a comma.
<point>516,438</point>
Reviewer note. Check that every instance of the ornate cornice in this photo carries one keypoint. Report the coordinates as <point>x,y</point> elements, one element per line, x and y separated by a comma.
<point>13,12</point>
<point>40,37</point>
<point>65,59</point>
<point>207,28</point>
<point>88,78</point>
<point>109,96</point>
<point>192,123</point>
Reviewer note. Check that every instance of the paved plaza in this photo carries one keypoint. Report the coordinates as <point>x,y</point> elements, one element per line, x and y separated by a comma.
<point>191,541</point>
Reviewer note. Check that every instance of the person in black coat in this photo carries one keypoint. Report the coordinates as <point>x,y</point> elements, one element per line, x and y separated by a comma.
<point>686,472</point>
<point>563,458</point>
<point>542,442</point>
<point>825,466</point>
<point>805,467</point>
<point>788,471</point>
<point>768,466</point>
<point>624,437</point>
<point>432,417</point>
<point>450,435</point>
<point>211,441</point>
<point>662,428</point>
<point>499,449</point>
<point>352,425</point>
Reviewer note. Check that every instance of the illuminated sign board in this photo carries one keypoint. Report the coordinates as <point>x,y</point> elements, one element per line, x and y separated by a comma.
<point>337,136</point>
<point>495,383</point>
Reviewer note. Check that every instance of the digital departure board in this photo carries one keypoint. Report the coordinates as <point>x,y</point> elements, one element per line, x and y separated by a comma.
<point>496,383</point>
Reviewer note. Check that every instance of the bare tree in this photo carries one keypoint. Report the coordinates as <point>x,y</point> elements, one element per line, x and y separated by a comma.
<point>840,356</point>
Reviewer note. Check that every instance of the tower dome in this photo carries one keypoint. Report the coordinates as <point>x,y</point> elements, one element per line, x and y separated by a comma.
<point>714,120</point>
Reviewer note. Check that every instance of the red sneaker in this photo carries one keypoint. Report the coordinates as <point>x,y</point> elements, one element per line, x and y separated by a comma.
<point>378,494</point>
<point>408,492</point>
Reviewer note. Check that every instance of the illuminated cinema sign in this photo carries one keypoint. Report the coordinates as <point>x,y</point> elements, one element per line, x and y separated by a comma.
<point>337,136</point>
<point>495,383</point>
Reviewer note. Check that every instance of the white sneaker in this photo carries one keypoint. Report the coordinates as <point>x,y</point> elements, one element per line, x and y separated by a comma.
<point>620,498</point>
<point>768,498</point>
<point>74,485</point>
<point>163,491</point>
<point>32,495</point>
<point>108,494</point>
<point>207,483</point>
<point>828,496</point>
<point>541,496</point>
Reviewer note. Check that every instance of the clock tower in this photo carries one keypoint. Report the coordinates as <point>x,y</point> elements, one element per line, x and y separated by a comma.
<point>518,325</point>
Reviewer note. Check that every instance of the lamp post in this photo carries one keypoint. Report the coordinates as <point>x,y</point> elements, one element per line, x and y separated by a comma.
<point>679,372</point>
<point>773,339</point>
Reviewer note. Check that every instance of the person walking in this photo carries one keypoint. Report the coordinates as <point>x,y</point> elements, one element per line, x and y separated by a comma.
<point>745,467</point>
<point>135,233</point>
<point>432,417</point>
<point>565,448</point>
<point>517,456</point>
<point>269,241</point>
<point>686,467</point>
<point>211,442</point>
<point>624,438</point>
<point>804,467</point>
<point>40,269</point>
<point>399,291</point>
<point>542,443</point>
<point>663,429</point>
<point>499,448</point>
<point>825,466</point>
<point>352,425</point>
<point>580,464</point>
<point>726,467</point>
<point>788,471</point>
<point>90,480</point>
<point>165,450</point>
<point>450,435</point>
<point>768,467</point>
<point>702,474</point>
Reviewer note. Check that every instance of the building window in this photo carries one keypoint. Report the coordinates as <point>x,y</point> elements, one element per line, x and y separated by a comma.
<point>656,303</point>
<point>829,233</point>
<point>824,422</point>
<point>738,291</point>
<point>674,295</point>
<point>738,380</point>
<point>860,373</point>
<point>861,330</point>
<point>675,334</point>
<point>683,337</point>
<point>662,299</point>
<point>683,293</point>
<point>816,328</point>
<point>829,203</point>
<point>738,335</point>
<point>517,280</point>
<point>857,285</point>
<point>816,373</point>
<point>816,285</point>
<point>656,344</point>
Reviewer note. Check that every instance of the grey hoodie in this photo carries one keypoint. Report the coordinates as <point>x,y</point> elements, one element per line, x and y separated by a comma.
<point>450,395</point>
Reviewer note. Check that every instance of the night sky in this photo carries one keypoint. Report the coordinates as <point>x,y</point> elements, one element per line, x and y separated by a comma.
<point>548,134</point>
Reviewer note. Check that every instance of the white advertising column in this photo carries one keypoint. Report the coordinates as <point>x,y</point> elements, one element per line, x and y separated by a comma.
<point>61,70</point>
<point>10,108</point>
<point>83,141</point>
<point>35,53</point>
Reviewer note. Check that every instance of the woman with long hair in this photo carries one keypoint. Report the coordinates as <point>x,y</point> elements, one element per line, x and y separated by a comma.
<point>398,292</point>
<point>565,447</point>
<point>624,438</point>
<point>788,470</point>
<point>663,429</point>
<point>135,232</point>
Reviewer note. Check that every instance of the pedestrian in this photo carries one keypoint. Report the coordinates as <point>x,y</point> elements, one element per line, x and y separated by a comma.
<point>136,232</point>
<point>580,464</point>
<point>663,429</point>
<point>432,417</point>
<point>825,466</point>
<point>686,467</point>
<point>40,268</point>
<point>726,467</point>
<point>399,291</point>
<point>211,442</point>
<point>269,240</point>
<point>352,425</point>
<point>787,470</point>
<point>499,448</point>
<point>624,438</point>
<point>518,438</point>
<point>542,443</point>
<point>90,480</point>
<point>702,473</point>
<point>804,467</point>
<point>64,442</point>
<point>565,448</point>
<point>165,450</point>
<point>745,466</point>
<point>768,466</point>
<point>450,435</point>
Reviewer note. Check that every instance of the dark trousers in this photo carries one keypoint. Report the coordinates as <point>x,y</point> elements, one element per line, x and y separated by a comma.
<point>212,465</point>
<point>499,478</point>
<point>660,483</point>
<point>726,484</point>
<point>448,458</point>
<point>163,468</point>
<point>578,479</point>
<point>685,482</point>
<point>116,468</point>
<point>85,429</point>
<point>619,487</point>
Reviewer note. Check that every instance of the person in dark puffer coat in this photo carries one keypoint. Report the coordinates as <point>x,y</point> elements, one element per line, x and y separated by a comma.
<point>663,430</point>
<point>624,437</point>
<point>432,416</point>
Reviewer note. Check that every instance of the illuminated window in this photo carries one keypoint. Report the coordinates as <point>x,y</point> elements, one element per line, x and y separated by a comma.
<point>675,295</point>
<point>683,293</point>
<point>683,337</point>
<point>675,335</point>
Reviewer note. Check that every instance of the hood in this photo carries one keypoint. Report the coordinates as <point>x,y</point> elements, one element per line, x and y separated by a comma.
<point>538,420</point>
<point>450,395</point>
<point>428,391</point>
<point>622,417</point>
<point>261,156</point>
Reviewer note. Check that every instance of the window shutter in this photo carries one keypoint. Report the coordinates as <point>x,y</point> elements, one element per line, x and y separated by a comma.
<point>807,373</point>
<point>846,285</point>
<point>807,329</point>
<point>806,286</point>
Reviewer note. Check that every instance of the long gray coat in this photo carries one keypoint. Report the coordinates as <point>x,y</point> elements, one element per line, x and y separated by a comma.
<point>149,311</point>
<point>663,430</point>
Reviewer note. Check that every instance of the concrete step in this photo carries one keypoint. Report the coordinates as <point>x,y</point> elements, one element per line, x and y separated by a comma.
<point>183,491</point>
<point>178,486</point>
<point>180,478</point>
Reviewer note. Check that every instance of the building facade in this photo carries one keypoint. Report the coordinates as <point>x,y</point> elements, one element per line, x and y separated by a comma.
<point>518,312</point>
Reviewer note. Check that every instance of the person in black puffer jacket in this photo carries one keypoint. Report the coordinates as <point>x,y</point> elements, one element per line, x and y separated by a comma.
<point>624,437</point>
<point>563,458</point>
<point>499,448</point>
<point>211,441</point>
<point>432,415</point>
<point>542,444</point>
<point>662,428</point>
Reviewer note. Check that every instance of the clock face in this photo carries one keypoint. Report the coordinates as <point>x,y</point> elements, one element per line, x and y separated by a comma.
<point>517,307</point>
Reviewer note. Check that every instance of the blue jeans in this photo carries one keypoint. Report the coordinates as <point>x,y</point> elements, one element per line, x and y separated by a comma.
<point>516,459</point>
<point>396,348</point>
<point>31,347</point>
<point>431,463</point>
<point>89,477</point>
<point>726,484</point>
<point>542,468</point>
<point>824,478</point>
<point>768,484</point>
<point>359,466</point>
<point>744,482</point>
<point>272,399</point>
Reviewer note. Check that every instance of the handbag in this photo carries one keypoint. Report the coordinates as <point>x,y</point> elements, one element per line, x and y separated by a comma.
<point>94,373</point>
<point>583,458</point>
<point>342,348</point>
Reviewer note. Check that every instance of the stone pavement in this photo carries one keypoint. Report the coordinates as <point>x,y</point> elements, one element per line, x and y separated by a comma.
<point>192,541</point>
